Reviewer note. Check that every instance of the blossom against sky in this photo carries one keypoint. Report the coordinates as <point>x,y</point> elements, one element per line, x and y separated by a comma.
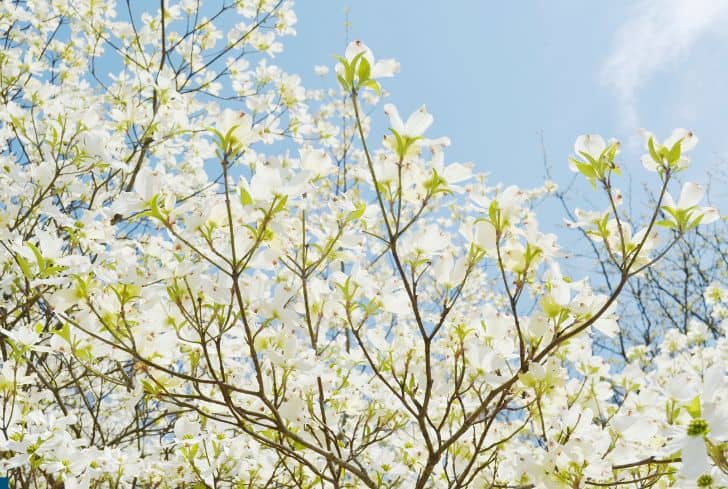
<point>496,75</point>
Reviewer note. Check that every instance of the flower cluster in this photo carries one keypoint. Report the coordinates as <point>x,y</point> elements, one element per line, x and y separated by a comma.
<point>214,277</point>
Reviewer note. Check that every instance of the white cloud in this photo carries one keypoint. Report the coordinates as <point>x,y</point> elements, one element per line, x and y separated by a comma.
<point>656,34</point>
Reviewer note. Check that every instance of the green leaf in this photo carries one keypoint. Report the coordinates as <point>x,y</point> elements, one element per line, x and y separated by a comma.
<point>653,151</point>
<point>342,82</point>
<point>695,222</point>
<point>64,332</point>
<point>154,207</point>
<point>408,142</point>
<point>49,271</point>
<point>436,184</point>
<point>400,146</point>
<point>220,137</point>
<point>666,223</point>
<point>588,157</point>
<point>364,71</point>
<point>611,151</point>
<point>229,136</point>
<point>281,204</point>
<point>585,169</point>
<point>694,407</point>
<point>24,266</point>
<point>245,198</point>
<point>38,256</point>
<point>349,70</point>
<point>84,354</point>
<point>373,85</point>
<point>671,210</point>
<point>673,156</point>
<point>357,212</point>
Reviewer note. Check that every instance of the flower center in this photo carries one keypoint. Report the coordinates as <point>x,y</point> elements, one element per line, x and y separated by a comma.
<point>697,427</point>
<point>704,481</point>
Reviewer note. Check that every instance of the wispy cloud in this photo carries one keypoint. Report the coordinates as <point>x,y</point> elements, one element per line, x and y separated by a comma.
<point>656,34</point>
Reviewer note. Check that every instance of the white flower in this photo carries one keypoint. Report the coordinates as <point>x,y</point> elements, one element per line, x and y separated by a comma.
<point>11,376</point>
<point>695,460</point>
<point>453,173</point>
<point>316,161</point>
<point>485,235</point>
<point>591,144</point>
<point>240,124</point>
<point>293,407</point>
<point>710,421</point>
<point>417,123</point>
<point>94,142</point>
<point>714,409</point>
<point>265,183</point>
<point>687,140</point>
<point>690,196</point>
<point>685,136</point>
<point>186,429</point>
<point>380,69</point>
<point>589,148</point>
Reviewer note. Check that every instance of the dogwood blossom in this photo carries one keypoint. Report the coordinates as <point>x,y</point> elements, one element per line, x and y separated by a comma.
<point>213,276</point>
<point>686,211</point>
<point>380,69</point>
<point>681,141</point>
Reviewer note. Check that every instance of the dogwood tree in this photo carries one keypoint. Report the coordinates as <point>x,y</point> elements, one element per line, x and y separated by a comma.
<point>214,277</point>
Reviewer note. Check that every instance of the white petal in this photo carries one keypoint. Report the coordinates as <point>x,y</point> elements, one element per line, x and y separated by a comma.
<point>184,426</point>
<point>485,235</point>
<point>385,68</point>
<point>689,140</point>
<point>315,160</point>
<point>713,381</point>
<point>668,201</point>
<point>648,163</point>
<point>591,144</point>
<point>645,134</point>
<point>691,195</point>
<point>243,132</point>
<point>650,243</point>
<point>438,162</point>
<point>608,326</point>
<point>456,172</point>
<point>561,293</point>
<point>710,214</point>
<point>458,271</point>
<point>694,458</point>
<point>437,144</point>
<point>356,47</point>
<point>394,119</point>
<point>681,388</point>
<point>265,183</point>
<point>442,268</point>
<point>148,183</point>
<point>418,122</point>
<point>228,118</point>
<point>292,409</point>
<point>639,428</point>
<point>615,142</point>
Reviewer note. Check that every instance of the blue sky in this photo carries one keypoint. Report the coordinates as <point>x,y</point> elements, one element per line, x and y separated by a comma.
<point>498,74</point>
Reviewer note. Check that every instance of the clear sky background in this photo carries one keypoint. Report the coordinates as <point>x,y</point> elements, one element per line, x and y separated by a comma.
<point>497,75</point>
